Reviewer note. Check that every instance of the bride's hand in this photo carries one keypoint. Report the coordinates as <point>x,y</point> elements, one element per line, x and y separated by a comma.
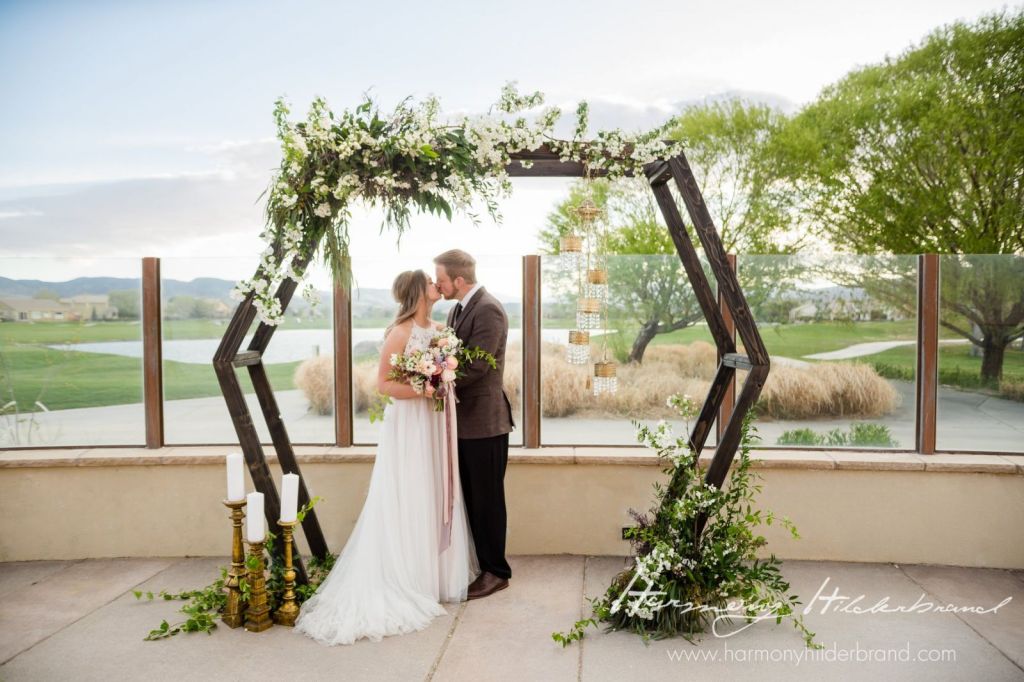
<point>428,391</point>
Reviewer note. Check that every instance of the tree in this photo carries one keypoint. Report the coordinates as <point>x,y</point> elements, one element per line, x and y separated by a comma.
<point>983,301</point>
<point>924,153</point>
<point>727,145</point>
<point>127,303</point>
<point>648,288</point>
<point>724,144</point>
<point>181,307</point>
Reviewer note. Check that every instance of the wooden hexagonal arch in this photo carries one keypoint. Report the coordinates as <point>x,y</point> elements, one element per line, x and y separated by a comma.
<point>541,163</point>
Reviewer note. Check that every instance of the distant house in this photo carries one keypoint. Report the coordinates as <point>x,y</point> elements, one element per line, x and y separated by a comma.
<point>803,313</point>
<point>844,310</point>
<point>24,309</point>
<point>91,306</point>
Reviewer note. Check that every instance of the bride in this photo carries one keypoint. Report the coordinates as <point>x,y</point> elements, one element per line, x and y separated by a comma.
<point>393,573</point>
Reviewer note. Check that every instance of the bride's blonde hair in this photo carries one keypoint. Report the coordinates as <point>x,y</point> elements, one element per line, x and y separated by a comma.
<point>409,287</point>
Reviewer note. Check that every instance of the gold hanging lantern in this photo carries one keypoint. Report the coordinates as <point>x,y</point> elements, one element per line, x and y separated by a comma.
<point>579,348</point>
<point>597,284</point>
<point>605,379</point>
<point>570,247</point>
<point>588,313</point>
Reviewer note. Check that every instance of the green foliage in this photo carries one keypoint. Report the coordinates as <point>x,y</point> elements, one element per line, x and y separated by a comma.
<point>680,582</point>
<point>922,153</point>
<point>404,161</point>
<point>798,437</point>
<point>202,608</point>
<point>726,144</point>
<point>861,434</point>
<point>376,407</point>
<point>128,303</point>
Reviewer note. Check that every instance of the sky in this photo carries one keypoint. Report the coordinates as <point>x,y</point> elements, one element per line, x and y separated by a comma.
<point>133,129</point>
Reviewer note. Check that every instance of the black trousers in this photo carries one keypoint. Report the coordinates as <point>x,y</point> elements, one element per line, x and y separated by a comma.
<point>482,463</point>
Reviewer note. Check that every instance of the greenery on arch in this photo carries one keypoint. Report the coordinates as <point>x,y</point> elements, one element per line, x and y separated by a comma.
<point>409,160</point>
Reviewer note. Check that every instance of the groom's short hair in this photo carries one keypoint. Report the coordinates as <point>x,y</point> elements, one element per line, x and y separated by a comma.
<point>458,263</point>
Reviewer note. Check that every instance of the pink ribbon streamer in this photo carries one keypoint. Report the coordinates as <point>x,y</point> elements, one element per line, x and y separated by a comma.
<point>450,465</point>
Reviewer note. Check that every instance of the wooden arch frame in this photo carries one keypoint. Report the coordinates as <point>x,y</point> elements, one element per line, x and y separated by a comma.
<point>542,162</point>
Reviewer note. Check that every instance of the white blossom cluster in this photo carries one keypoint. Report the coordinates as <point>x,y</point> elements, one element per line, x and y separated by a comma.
<point>408,159</point>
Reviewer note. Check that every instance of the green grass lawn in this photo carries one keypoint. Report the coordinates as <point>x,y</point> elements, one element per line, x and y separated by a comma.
<point>797,340</point>
<point>126,330</point>
<point>957,367</point>
<point>31,372</point>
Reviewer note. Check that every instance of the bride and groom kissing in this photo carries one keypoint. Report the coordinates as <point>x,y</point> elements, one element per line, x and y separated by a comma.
<point>432,528</point>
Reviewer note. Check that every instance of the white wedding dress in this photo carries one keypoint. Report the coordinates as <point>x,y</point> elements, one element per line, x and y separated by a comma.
<point>390,578</point>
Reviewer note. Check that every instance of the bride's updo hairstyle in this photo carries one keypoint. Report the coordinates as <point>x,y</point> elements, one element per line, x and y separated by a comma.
<point>409,287</point>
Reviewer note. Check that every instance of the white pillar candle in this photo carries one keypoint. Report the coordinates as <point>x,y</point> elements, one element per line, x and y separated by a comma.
<point>236,477</point>
<point>289,497</point>
<point>255,524</point>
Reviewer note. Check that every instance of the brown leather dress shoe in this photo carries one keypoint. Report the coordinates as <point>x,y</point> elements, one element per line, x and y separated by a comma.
<point>485,584</point>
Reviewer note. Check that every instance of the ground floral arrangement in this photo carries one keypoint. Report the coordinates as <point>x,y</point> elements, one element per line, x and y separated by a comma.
<point>408,159</point>
<point>680,584</point>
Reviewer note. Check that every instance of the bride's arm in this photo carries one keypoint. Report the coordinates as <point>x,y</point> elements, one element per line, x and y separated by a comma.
<point>394,343</point>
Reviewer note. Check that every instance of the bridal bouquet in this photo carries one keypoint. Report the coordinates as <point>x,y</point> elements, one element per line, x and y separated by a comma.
<point>437,366</point>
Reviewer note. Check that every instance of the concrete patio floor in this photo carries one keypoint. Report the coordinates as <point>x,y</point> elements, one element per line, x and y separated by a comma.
<point>78,620</point>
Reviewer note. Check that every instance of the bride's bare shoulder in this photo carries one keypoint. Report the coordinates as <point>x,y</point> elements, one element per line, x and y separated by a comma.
<point>400,333</point>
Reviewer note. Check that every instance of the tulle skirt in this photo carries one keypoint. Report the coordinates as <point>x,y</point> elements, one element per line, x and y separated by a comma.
<point>390,578</point>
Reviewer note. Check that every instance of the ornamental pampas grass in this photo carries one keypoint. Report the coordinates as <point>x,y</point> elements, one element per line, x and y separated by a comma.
<point>315,378</point>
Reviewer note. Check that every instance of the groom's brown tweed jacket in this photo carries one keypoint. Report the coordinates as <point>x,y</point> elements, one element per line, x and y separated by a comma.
<point>483,409</point>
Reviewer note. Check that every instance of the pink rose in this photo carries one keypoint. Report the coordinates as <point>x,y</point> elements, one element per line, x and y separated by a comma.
<point>452,362</point>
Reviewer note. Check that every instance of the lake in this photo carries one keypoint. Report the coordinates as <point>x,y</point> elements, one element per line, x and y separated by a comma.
<point>288,345</point>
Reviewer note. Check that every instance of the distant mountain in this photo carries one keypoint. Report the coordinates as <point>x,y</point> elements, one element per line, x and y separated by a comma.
<point>80,285</point>
<point>201,287</point>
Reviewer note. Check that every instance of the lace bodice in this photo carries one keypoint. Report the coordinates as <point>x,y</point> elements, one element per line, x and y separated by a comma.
<point>419,339</point>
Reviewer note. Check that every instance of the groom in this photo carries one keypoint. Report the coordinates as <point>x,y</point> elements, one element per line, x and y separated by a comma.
<point>484,416</point>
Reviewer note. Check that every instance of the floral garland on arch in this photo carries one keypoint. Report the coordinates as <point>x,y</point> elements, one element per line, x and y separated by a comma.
<point>409,159</point>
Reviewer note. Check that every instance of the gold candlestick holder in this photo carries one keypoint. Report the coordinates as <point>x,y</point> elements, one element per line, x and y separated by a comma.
<point>234,610</point>
<point>288,611</point>
<point>257,615</point>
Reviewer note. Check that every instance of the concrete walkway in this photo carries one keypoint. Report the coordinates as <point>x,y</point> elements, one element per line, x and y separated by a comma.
<point>79,620</point>
<point>859,350</point>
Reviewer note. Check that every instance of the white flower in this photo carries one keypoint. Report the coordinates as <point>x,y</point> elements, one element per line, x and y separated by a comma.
<point>448,375</point>
<point>323,210</point>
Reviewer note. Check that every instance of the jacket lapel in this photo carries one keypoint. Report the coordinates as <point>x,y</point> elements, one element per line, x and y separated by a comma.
<point>469,309</point>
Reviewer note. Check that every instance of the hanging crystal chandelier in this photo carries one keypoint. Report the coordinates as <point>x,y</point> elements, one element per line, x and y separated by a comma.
<point>588,313</point>
<point>579,348</point>
<point>605,380</point>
